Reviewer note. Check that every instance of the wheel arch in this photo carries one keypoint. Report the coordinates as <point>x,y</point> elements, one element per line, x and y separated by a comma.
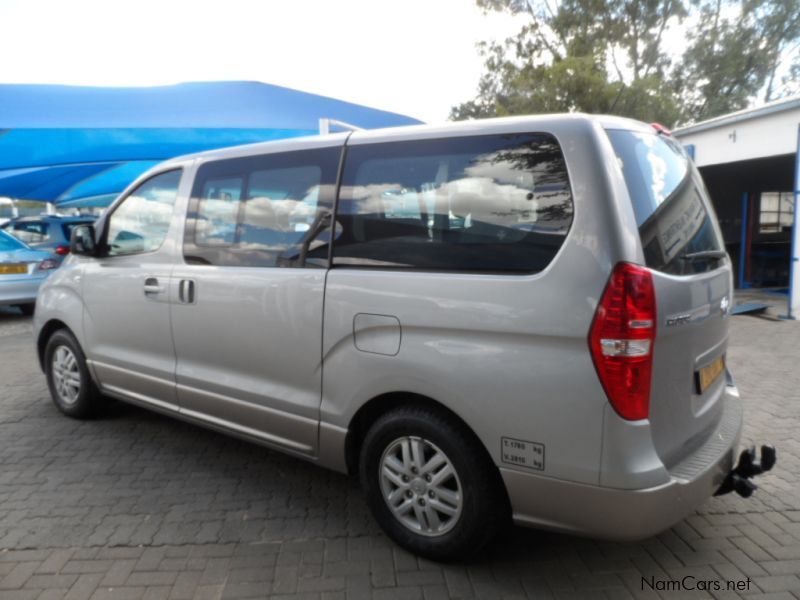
<point>46,331</point>
<point>378,406</point>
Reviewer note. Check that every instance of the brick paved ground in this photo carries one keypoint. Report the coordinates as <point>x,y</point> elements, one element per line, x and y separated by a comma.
<point>140,506</point>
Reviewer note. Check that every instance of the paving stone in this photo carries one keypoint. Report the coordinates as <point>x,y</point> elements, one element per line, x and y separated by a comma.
<point>84,587</point>
<point>51,581</point>
<point>56,561</point>
<point>136,505</point>
<point>18,576</point>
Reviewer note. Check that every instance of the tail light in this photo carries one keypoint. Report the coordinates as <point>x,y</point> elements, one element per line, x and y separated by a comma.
<point>621,340</point>
<point>47,264</point>
<point>62,250</point>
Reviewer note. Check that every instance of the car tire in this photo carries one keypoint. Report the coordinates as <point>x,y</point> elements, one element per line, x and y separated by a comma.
<point>27,309</point>
<point>71,386</point>
<point>438,515</point>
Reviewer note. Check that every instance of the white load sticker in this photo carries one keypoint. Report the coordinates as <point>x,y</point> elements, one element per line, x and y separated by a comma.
<point>522,453</point>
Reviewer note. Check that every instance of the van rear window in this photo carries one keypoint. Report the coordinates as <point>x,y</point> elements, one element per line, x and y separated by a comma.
<point>672,208</point>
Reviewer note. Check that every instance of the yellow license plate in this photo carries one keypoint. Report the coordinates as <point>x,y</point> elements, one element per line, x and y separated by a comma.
<point>708,374</point>
<point>13,269</point>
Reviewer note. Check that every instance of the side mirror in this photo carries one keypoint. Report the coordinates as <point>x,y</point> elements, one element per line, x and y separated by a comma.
<point>81,241</point>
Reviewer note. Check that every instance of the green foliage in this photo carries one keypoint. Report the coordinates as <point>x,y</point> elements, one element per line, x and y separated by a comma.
<point>610,56</point>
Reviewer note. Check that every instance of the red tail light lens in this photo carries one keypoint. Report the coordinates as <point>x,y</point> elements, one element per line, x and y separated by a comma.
<point>621,340</point>
<point>48,264</point>
<point>62,250</point>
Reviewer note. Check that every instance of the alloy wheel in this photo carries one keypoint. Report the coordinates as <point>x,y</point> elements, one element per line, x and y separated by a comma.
<point>420,486</point>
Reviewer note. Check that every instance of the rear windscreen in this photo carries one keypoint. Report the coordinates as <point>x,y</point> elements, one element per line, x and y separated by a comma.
<point>669,201</point>
<point>31,232</point>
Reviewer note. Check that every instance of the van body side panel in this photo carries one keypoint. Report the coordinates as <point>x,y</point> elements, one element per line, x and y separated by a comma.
<point>248,349</point>
<point>508,371</point>
<point>507,353</point>
<point>246,312</point>
<point>126,328</point>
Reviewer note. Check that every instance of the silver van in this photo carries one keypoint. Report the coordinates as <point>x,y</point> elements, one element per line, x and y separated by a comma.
<point>517,318</point>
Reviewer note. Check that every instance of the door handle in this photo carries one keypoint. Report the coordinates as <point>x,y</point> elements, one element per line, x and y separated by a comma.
<point>151,286</point>
<point>186,291</point>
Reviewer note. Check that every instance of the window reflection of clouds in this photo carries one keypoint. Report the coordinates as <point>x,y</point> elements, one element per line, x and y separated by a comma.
<point>667,167</point>
<point>658,168</point>
<point>481,203</point>
<point>269,223</point>
<point>502,188</point>
<point>143,218</point>
<point>280,199</point>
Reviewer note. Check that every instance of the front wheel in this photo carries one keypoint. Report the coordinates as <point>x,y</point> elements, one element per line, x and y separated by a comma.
<point>71,386</point>
<point>430,484</point>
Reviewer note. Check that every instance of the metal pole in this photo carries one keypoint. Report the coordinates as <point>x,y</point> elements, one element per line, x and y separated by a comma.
<point>326,124</point>
<point>743,247</point>
<point>793,303</point>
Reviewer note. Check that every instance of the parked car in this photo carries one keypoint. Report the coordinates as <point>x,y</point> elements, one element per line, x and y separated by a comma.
<point>518,318</point>
<point>22,270</point>
<point>47,232</point>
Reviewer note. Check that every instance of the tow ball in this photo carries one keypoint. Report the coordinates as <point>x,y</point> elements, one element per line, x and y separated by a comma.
<point>738,480</point>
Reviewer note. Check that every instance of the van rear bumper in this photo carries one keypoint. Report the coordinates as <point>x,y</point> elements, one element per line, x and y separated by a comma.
<point>619,514</point>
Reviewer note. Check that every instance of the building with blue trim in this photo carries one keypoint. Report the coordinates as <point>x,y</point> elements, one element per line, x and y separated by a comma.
<point>750,161</point>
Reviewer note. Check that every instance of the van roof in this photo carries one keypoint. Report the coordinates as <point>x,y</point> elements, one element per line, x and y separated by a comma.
<point>446,128</point>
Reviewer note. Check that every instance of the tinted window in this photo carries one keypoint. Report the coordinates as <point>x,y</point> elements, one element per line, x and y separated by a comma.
<point>480,204</point>
<point>218,211</point>
<point>669,200</point>
<point>31,232</point>
<point>259,211</point>
<point>141,222</point>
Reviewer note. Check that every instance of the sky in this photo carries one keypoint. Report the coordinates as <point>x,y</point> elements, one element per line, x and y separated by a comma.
<point>414,57</point>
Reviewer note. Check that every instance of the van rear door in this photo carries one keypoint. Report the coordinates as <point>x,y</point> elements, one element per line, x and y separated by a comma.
<point>692,278</point>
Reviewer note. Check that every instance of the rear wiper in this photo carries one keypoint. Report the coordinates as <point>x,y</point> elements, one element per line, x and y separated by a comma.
<point>704,254</point>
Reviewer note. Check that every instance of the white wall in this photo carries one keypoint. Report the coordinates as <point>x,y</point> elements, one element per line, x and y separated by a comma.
<point>769,135</point>
<point>760,137</point>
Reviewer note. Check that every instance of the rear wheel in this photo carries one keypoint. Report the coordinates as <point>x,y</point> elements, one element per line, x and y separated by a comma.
<point>71,386</point>
<point>430,484</point>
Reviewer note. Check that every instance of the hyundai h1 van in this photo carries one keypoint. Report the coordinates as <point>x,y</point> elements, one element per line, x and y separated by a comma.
<point>517,318</point>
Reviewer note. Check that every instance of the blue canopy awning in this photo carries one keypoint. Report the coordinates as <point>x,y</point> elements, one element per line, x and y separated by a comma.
<point>63,144</point>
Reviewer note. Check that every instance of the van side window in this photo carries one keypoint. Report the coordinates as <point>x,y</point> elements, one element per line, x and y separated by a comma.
<point>492,203</point>
<point>218,212</point>
<point>258,211</point>
<point>141,222</point>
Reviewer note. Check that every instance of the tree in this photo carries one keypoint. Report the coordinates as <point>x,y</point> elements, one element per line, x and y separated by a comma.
<point>609,56</point>
<point>735,55</point>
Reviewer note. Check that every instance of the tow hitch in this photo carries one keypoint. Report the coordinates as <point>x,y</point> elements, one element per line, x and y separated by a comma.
<point>738,480</point>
